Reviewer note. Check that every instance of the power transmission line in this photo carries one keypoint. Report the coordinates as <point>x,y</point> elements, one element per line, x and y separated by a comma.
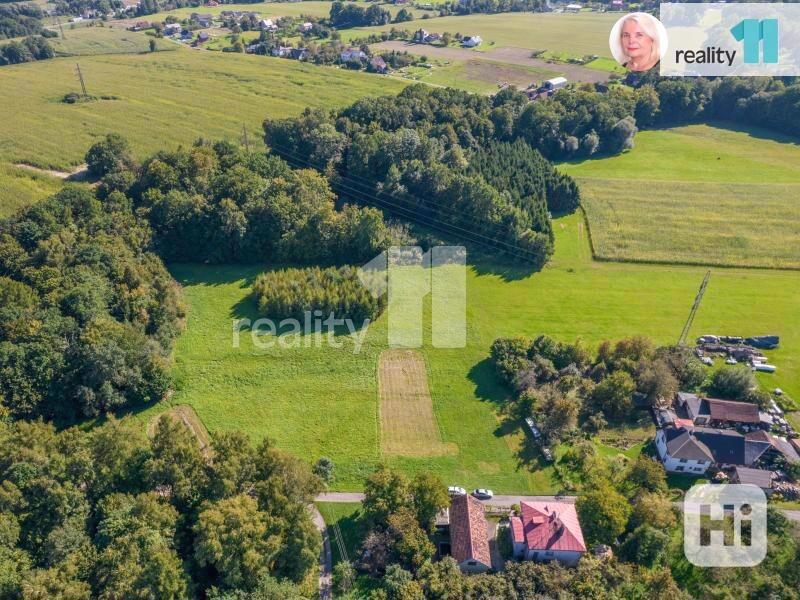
<point>83,84</point>
<point>697,300</point>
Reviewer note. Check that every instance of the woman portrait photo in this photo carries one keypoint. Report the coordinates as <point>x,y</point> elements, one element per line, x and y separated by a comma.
<point>638,41</point>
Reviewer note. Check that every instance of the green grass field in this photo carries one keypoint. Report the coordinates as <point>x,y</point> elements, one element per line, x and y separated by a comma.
<point>21,187</point>
<point>111,39</point>
<point>157,100</point>
<point>713,195</point>
<point>476,76</point>
<point>312,8</point>
<point>319,401</point>
<point>572,35</point>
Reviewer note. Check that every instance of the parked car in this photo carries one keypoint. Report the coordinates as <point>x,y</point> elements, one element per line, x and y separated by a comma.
<point>532,426</point>
<point>483,494</point>
<point>454,490</point>
<point>548,454</point>
<point>707,360</point>
<point>730,361</point>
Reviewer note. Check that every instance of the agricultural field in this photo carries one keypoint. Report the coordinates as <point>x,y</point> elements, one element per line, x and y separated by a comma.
<point>21,187</point>
<point>317,400</point>
<point>714,195</point>
<point>110,39</point>
<point>157,100</point>
<point>559,35</point>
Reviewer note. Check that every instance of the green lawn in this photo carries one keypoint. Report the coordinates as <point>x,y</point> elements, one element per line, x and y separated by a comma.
<point>157,100</point>
<point>711,195</point>
<point>347,515</point>
<point>573,35</point>
<point>323,401</point>
<point>20,187</point>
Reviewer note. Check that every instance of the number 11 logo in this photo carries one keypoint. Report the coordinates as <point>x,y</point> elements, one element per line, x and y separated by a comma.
<point>753,32</point>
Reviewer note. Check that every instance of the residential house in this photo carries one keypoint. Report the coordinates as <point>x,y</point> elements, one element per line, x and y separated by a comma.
<point>471,41</point>
<point>267,25</point>
<point>203,20</point>
<point>281,51</point>
<point>618,5</point>
<point>298,53</point>
<point>306,27</point>
<point>349,54</point>
<point>757,477</point>
<point>548,531</point>
<point>432,37</point>
<point>186,34</point>
<point>172,28</point>
<point>469,535</point>
<point>573,8</point>
<point>694,449</point>
<point>419,36</point>
<point>378,64</point>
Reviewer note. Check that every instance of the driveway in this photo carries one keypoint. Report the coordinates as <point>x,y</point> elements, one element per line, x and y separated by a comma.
<point>514,56</point>
<point>325,560</point>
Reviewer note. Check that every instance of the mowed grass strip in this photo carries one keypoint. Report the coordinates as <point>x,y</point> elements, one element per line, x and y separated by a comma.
<point>408,425</point>
<point>698,194</point>
<point>186,416</point>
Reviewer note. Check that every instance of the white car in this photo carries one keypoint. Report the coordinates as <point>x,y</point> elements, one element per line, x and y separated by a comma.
<point>730,361</point>
<point>454,490</point>
<point>707,360</point>
<point>483,494</point>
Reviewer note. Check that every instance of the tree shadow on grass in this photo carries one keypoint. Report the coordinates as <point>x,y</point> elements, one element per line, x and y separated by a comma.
<point>487,388</point>
<point>188,274</point>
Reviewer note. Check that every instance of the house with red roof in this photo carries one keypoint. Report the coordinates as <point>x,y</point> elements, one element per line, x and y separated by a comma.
<point>469,535</point>
<point>548,531</point>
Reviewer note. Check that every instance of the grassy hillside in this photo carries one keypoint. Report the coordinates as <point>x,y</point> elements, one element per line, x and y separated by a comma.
<point>324,401</point>
<point>111,39</point>
<point>559,34</point>
<point>157,100</point>
<point>20,187</point>
<point>713,195</point>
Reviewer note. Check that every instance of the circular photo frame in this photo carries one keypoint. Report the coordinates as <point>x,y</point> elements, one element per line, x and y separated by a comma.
<point>638,41</point>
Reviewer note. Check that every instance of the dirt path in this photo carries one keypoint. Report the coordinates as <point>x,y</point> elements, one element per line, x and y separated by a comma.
<point>514,56</point>
<point>325,560</point>
<point>79,173</point>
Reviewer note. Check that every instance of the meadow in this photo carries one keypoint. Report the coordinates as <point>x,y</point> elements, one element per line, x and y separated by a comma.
<point>714,195</point>
<point>157,100</point>
<point>562,35</point>
<point>109,39</point>
<point>21,187</point>
<point>476,76</point>
<point>317,400</point>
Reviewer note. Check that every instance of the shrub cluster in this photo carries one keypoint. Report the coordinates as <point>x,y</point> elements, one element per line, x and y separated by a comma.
<point>291,293</point>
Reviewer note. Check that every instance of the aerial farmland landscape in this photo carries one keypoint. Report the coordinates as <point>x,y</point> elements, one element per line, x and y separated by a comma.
<point>388,301</point>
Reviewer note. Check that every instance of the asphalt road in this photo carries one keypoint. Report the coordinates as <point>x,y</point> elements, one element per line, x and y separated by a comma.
<point>496,501</point>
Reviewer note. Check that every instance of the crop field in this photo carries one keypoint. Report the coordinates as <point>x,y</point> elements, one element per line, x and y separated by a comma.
<point>110,39</point>
<point>476,76</point>
<point>712,196</point>
<point>157,100</point>
<point>572,35</point>
<point>316,400</point>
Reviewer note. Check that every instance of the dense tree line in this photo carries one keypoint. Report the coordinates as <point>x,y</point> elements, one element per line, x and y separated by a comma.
<point>345,15</point>
<point>30,49</point>
<point>221,203</point>
<point>413,152</point>
<point>19,19</point>
<point>291,293</point>
<point>108,514</point>
<point>88,314</point>
<point>466,7</point>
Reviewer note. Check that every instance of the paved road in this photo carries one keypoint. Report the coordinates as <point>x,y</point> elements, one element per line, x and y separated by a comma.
<point>325,560</point>
<point>514,56</point>
<point>496,501</point>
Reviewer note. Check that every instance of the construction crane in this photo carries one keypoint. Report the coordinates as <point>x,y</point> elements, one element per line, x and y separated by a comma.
<point>697,300</point>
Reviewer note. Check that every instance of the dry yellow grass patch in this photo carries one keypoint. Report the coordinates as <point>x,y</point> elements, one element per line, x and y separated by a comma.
<point>408,425</point>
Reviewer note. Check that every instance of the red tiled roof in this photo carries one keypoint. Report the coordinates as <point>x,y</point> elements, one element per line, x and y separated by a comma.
<point>552,526</point>
<point>516,530</point>
<point>469,537</point>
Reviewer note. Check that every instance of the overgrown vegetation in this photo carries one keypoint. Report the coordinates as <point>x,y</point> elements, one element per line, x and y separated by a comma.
<point>412,153</point>
<point>106,514</point>
<point>295,293</point>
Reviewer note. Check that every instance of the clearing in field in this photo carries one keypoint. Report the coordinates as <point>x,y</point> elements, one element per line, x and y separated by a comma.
<point>408,425</point>
<point>697,194</point>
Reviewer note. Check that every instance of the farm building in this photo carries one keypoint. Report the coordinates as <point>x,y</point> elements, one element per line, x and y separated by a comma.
<point>713,412</point>
<point>548,531</point>
<point>471,41</point>
<point>556,83</point>
<point>694,449</point>
<point>469,535</point>
<point>757,477</point>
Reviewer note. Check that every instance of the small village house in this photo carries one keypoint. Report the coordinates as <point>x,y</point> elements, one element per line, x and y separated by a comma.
<point>469,535</point>
<point>306,27</point>
<point>378,64</point>
<point>349,54</point>
<point>548,531</point>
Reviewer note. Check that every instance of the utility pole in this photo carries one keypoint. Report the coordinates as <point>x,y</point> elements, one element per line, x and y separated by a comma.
<point>699,298</point>
<point>246,139</point>
<point>83,84</point>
